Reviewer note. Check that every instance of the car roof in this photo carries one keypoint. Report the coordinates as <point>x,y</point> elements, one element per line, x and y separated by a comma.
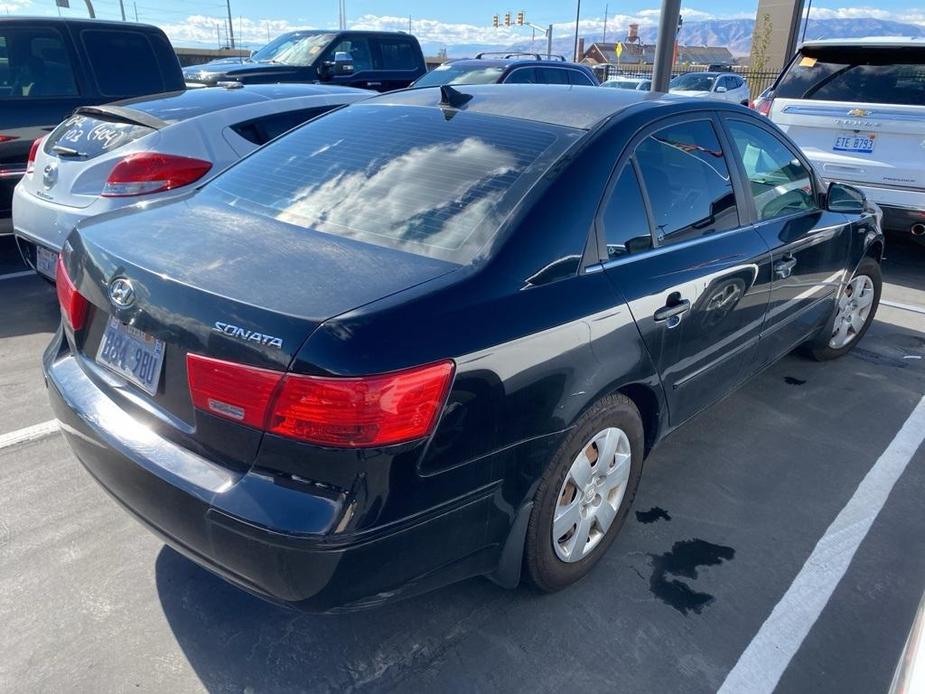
<point>509,62</point>
<point>576,107</point>
<point>177,106</point>
<point>106,23</point>
<point>873,41</point>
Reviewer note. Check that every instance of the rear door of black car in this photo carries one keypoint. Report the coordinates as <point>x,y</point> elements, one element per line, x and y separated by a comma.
<point>809,245</point>
<point>398,58</point>
<point>695,277</point>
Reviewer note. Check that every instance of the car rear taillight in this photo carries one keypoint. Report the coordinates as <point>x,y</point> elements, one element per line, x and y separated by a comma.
<point>149,172</point>
<point>764,106</point>
<point>378,410</point>
<point>33,151</point>
<point>234,391</point>
<point>73,304</point>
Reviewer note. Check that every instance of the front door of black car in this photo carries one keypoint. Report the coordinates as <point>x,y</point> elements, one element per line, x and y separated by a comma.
<point>695,280</point>
<point>363,74</point>
<point>809,245</point>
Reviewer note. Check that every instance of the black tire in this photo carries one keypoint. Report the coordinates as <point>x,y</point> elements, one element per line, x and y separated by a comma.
<point>819,349</point>
<point>543,568</point>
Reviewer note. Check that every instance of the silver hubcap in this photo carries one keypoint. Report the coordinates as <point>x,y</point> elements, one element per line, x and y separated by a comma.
<point>854,306</point>
<point>591,494</point>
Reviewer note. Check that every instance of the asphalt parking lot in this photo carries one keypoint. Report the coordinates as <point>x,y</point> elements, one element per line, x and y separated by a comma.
<point>739,564</point>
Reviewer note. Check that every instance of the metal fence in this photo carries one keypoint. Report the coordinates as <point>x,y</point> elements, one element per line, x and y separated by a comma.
<point>758,80</point>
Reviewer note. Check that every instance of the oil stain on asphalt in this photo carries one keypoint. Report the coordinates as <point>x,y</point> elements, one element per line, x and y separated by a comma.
<point>653,514</point>
<point>683,559</point>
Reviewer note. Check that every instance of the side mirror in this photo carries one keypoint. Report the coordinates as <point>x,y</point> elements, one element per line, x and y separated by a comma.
<point>343,63</point>
<point>844,198</point>
<point>721,90</point>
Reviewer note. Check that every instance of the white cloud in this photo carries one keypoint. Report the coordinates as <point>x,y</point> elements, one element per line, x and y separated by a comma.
<point>9,6</point>
<point>914,16</point>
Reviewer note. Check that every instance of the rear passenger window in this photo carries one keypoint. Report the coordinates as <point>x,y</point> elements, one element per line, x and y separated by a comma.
<point>626,226</point>
<point>688,182</point>
<point>123,62</point>
<point>523,75</point>
<point>553,75</point>
<point>34,63</point>
<point>397,54</point>
<point>579,79</point>
<point>262,130</point>
<point>779,183</point>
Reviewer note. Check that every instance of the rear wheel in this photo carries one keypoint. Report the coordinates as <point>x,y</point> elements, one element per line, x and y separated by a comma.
<point>854,313</point>
<point>585,494</point>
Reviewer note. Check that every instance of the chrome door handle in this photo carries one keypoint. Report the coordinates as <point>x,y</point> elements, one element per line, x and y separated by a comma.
<point>784,268</point>
<point>673,310</point>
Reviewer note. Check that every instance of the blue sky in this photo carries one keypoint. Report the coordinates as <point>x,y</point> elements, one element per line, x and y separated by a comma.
<point>469,21</point>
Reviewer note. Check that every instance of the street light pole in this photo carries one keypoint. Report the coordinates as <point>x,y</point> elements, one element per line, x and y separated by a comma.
<point>230,25</point>
<point>606,9</point>
<point>664,44</point>
<point>577,17</point>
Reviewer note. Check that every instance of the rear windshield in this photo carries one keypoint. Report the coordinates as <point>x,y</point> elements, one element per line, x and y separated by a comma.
<point>87,136</point>
<point>460,74</point>
<point>857,74</point>
<point>417,179</point>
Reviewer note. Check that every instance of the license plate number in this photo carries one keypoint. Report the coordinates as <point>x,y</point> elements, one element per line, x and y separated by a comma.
<point>45,261</point>
<point>860,144</point>
<point>133,354</point>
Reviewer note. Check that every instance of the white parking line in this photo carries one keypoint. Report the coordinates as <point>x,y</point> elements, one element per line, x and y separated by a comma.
<point>32,433</point>
<point>904,307</point>
<point>761,665</point>
<point>14,275</point>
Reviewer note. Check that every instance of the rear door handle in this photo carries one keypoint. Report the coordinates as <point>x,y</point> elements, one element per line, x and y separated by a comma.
<point>672,310</point>
<point>784,268</point>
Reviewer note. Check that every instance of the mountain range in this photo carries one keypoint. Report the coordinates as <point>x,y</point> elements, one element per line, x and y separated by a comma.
<point>735,34</point>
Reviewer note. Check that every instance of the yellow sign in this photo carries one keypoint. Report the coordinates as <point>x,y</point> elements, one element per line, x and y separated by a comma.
<point>618,49</point>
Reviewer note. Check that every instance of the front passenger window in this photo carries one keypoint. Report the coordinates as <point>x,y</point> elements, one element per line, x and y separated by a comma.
<point>688,182</point>
<point>780,184</point>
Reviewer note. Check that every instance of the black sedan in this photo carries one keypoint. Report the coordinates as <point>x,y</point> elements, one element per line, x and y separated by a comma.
<point>434,335</point>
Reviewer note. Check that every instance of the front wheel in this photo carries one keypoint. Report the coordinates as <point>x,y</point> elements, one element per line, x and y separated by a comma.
<point>585,494</point>
<point>854,313</point>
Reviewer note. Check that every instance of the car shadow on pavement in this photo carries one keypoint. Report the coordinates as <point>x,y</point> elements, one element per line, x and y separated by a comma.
<point>28,305</point>
<point>904,264</point>
<point>238,642</point>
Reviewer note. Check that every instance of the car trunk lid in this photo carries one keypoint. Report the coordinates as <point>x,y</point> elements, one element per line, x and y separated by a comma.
<point>222,284</point>
<point>73,162</point>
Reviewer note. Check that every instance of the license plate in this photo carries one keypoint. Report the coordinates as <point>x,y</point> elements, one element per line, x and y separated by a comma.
<point>45,261</point>
<point>132,354</point>
<point>860,144</point>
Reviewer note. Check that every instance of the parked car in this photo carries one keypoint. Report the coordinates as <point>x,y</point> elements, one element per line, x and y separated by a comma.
<point>379,60</point>
<point>509,68</point>
<point>434,334</point>
<point>711,85</point>
<point>857,109</point>
<point>642,84</point>
<point>148,149</point>
<point>50,66</point>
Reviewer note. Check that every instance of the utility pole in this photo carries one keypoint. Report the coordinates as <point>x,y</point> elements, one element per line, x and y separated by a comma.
<point>230,25</point>
<point>664,44</point>
<point>122,10</point>
<point>409,23</point>
<point>577,17</point>
<point>606,9</point>
<point>135,4</point>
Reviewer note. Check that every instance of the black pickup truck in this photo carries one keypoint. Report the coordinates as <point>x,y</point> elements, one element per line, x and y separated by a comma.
<point>51,66</point>
<point>379,60</point>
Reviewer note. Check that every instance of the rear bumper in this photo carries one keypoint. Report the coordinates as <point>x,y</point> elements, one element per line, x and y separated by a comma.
<point>44,222</point>
<point>253,529</point>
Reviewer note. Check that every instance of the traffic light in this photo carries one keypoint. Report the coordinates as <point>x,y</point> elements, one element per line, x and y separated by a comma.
<point>507,19</point>
<point>494,22</point>
<point>520,18</point>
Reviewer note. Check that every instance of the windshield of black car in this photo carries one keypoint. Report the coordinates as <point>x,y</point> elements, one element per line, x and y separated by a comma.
<point>421,180</point>
<point>857,74</point>
<point>693,82</point>
<point>293,49</point>
<point>449,73</point>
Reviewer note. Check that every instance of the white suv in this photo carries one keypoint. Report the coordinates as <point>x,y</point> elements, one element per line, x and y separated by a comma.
<point>857,109</point>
